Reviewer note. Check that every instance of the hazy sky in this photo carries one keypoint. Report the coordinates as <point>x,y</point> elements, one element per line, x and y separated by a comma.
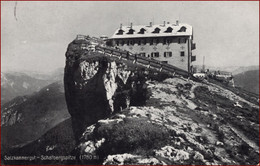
<point>226,33</point>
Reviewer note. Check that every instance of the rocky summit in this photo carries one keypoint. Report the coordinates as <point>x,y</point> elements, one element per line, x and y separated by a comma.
<point>123,113</point>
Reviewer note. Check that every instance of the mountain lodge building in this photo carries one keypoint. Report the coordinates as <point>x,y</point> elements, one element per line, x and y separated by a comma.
<point>168,43</point>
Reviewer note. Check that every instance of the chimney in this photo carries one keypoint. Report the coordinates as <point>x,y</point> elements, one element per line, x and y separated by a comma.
<point>121,26</point>
<point>177,22</point>
<point>131,25</point>
<point>163,23</point>
<point>151,24</point>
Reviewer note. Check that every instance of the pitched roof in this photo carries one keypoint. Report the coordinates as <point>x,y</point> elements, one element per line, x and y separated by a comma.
<point>153,31</point>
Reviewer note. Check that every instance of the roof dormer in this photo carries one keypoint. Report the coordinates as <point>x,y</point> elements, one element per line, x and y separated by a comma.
<point>130,32</point>
<point>182,29</point>
<point>120,32</point>
<point>156,30</point>
<point>169,30</point>
<point>142,30</point>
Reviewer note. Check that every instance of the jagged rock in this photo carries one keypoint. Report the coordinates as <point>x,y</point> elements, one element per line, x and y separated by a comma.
<point>89,147</point>
<point>218,143</point>
<point>123,159</point>
<point>100,142</point>
<point>173,154</point>
<point>120,116</point>
<point>198,156</point>
<point>118,159</point>
<point>109,121</point>
<point>209,152</point>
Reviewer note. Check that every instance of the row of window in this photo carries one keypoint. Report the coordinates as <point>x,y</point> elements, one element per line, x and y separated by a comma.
<point>157,54</point>
<point>156,30</point>
<point>151,41</point>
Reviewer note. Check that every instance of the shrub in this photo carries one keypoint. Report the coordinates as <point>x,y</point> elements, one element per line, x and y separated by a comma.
<point>132,136</point>
<point>243,149</point>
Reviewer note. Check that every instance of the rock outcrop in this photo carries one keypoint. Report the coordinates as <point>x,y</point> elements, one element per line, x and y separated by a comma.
<point>97,86</point>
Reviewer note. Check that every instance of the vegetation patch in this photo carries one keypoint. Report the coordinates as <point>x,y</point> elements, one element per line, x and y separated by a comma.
<point>135,136</point>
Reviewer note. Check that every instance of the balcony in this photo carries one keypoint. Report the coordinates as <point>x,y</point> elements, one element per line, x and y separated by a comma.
<point>193,46</point>
<point>193,58</point>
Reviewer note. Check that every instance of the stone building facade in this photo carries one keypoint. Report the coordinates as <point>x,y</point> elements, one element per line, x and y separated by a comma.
<point>168,43</point>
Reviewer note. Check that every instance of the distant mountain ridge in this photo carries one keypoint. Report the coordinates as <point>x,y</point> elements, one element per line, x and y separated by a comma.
<point>244,69</point>
<point>25,119</point>
<point>233,69</point>
<point>248,80</point>
<point>15,84</point>
<point>19,84</point>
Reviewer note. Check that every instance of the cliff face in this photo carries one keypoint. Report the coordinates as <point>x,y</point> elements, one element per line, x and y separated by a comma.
<point>98,87</point>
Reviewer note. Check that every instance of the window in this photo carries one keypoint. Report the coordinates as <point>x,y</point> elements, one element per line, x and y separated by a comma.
<point>182,40</point>
<point>139,42</point>
<point>154,41</point>
<point>151,41</point>
<point>117,43</point>
<point>155,54</point>
<point>143,42</point>
<point>193,58</point>
<point>157,41</point>
<point>167,54</point>
<point>127,42</point>
<point>123,42</point>
<point>142,54</point>
<point>131,42</point>
<point>182,53</point>
<point>167,41</point>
